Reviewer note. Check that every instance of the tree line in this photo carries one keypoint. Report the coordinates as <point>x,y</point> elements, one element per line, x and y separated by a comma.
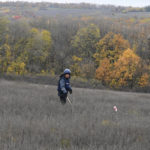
<point>115,51</point>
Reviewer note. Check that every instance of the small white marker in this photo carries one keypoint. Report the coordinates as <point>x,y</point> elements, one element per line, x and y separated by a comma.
<point>115,108</point>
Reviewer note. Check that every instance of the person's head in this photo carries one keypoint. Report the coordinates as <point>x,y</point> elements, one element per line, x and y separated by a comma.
<point>67,76</point>
<point>67,73</point>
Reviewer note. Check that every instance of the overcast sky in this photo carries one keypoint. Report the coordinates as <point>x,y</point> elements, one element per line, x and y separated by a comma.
<point>137,3</point>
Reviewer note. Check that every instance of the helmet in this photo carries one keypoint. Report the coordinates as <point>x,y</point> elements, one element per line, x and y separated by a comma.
<point>67,71</point>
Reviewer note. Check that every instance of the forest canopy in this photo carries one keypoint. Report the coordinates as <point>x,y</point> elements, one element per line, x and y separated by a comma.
<point>107,43</point>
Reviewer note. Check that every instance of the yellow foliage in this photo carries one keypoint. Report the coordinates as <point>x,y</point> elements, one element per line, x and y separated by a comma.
<point>5,10</point>
<point>76,59</point>
<point>132,20</point>
<point>38,48</point>
<point>17,67</point>
<point>145,20</point>
<point>5,57</point>
<point>52,72</point>
<point>111,46</point>
<point>34,31</point>
<point>46,37</point>
<point>84,42</point>
<point>42,72</point>
<point>75,69</point>
<point>125,71</point>
<point>144,80</point>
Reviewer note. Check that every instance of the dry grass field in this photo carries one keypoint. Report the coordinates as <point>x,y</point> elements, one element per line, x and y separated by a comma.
<point>32,118</point>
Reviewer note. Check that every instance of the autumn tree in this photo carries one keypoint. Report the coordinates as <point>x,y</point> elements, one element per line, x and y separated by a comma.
<point>38,49</point>
<point>144,80</point>
<point>76,65</point>
<point>5,57</point>
<point>17,67</point>
<point>110,46</point>
<point>128,71</point>
<point>104,71</point>
<point>84,42</point>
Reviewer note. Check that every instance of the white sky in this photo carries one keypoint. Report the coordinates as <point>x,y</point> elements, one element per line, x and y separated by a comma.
<point>136,3</point>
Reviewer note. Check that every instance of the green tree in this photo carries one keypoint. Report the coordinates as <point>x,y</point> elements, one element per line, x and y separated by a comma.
<point>5,57</point>
<point>38,49</point>
<point>84,42</point>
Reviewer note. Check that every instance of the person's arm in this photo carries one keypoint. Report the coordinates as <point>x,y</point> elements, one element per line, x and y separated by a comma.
<point>62,86</point>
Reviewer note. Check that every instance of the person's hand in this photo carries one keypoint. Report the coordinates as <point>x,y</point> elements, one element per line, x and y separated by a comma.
<point>70,91</point>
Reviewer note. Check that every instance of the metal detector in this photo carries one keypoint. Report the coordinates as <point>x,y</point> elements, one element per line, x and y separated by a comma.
<point>70,104</point>
<point>69,101</point>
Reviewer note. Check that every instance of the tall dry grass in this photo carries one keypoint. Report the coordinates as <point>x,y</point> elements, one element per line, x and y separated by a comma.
<point>32,118</point>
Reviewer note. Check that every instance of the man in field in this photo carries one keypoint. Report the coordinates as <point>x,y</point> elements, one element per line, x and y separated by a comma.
<point>64,86</point>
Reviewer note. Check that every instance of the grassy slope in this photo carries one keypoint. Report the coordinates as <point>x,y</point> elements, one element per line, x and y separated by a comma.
<point>31,118</point>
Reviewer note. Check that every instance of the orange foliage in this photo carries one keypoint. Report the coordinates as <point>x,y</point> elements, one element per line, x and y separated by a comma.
<point>127,70</point>
<point>103,72</point>
<point>144,80</point>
